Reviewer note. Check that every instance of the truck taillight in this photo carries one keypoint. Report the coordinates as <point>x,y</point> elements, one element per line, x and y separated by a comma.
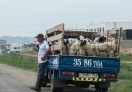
<point>67,73</point>
<point>109,75</point>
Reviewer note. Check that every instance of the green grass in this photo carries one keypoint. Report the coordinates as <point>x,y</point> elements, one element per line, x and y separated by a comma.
<point>31,52</point>
<point>15,61</point>
<point>125,79</point>
<point>121,86</point>
<point>126,58</point>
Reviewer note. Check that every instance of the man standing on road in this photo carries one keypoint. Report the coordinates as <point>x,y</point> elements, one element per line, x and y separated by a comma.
<point>42,61</point>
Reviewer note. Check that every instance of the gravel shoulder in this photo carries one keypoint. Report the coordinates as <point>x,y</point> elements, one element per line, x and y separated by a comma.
<point>29,79</point>
<point>23,76</point>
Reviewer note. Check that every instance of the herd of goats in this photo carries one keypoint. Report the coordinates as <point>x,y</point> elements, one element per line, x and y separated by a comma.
<point>100,46</point>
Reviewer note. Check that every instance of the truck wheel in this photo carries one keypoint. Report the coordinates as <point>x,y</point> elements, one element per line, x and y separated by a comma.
<point>79,86</point>
<point>86,86</point>
<point>60,89</point>
<point>101,89</point>
<point>44,85</point>
<point>98,89</point>
<point>55,89</point>
<point>104,89</point>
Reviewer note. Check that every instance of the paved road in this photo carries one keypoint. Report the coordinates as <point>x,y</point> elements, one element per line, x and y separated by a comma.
<point>7,84</point>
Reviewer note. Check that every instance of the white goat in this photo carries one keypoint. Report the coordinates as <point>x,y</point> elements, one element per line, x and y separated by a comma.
<point>101,49</point>
<point>90,48</point>
<point>76,47</point>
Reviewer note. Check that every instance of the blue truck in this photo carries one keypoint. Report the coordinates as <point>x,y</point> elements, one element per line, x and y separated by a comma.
<point>81,71</point>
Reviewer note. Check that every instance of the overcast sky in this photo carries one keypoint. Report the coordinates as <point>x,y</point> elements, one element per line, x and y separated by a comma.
<point>30,17</point>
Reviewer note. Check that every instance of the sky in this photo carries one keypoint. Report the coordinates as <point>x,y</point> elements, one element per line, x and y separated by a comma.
<point>30,17</point>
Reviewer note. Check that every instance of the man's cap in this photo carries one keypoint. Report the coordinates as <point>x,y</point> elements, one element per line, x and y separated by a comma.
<point>40,35</point>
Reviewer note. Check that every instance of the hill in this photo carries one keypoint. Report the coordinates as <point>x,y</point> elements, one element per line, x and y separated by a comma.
<point>18,39</point>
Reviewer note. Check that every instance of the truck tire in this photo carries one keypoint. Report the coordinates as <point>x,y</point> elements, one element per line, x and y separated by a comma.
<point>55,89</point>
<point>44,85</point>
<point>60,89</point>
<point>101,89</point>
<point>104,89</point>
<point>98,89</point>
<point>86,86</point>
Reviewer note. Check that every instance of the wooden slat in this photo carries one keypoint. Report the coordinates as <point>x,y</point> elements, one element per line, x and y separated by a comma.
<point>117,45</point>
<point>56,28</point>
<point>75,33</point>
<point>56,47</point>
<point>56,37</point>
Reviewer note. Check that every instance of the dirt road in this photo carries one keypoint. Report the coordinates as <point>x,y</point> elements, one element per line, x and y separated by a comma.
<point>29,78</point>
<point>8,84</point>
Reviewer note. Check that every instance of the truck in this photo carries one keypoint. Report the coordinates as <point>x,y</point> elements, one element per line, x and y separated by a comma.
<point>81,71</point>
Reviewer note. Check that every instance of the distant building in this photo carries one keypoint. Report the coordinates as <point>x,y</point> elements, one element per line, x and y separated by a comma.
<point>108,26</point>
<point>127,34</point>
<point>30,47</point>
<point>3,44</point>
<point>127,28</point>
<point>17,48</point>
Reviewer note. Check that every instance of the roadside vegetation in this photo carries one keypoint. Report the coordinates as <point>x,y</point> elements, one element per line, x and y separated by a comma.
<point>126,58</point>
<point>31,52</point>
<point>125,79</point>
<point>125,76</point>
<point>15,60</point>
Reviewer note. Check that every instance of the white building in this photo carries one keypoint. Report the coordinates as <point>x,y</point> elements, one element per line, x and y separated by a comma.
<point>17,48</point>
<point>108,26</point>
<point>3,44</point>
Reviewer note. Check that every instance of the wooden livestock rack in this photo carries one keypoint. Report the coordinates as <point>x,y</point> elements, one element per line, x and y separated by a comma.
<point>59,32</point>
<point>116,33</point>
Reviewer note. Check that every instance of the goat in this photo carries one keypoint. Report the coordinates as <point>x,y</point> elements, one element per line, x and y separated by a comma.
<point>76,48</point>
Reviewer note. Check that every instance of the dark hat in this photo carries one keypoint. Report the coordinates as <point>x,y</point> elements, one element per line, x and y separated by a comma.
<point>40,35</point>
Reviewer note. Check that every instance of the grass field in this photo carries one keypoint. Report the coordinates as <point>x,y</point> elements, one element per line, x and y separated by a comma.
<point>31,52</point>
<point>126,58</point>
<point>15,61</point>
<point>125,76</point>
<point>125,79</point>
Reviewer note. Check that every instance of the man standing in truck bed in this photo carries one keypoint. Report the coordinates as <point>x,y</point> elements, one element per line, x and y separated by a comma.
<point>42,61</point>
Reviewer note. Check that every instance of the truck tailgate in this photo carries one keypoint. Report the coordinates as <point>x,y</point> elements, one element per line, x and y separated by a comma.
<point>88,63</point>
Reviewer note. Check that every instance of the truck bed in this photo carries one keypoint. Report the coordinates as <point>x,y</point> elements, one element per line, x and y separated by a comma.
<point>84,63</point>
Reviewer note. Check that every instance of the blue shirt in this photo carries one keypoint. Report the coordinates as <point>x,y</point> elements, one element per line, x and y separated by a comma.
<point>42,49</point>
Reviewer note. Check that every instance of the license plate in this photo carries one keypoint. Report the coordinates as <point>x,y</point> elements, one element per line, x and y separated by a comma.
<point>88,75</point>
